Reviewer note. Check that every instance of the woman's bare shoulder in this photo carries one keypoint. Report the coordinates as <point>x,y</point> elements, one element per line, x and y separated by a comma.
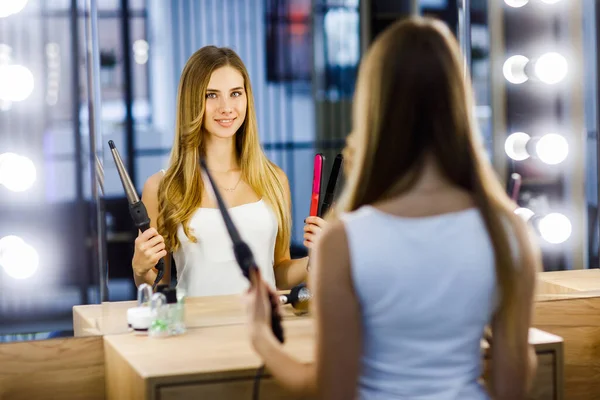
<point>152,183</point>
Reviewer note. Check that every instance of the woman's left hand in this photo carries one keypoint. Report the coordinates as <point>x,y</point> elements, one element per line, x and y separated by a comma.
<point>258,307</point>
<point>313,226</point>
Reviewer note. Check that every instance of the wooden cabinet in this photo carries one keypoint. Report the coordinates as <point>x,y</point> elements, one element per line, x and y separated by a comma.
<point>212,362</point>
<point>226,389</point>
<point>568,305</point>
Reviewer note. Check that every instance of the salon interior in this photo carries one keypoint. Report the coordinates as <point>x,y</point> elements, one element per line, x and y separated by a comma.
<point>78,74</point>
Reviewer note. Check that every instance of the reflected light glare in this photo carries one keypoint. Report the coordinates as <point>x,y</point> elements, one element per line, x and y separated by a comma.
<point>552,149</point>
<point>140,46</point>
<point>551,68</point>
<point>17,173</point>
<point>18,259</point>
<point>550,1</point>
<point>514,69</point>
<point>555,228</point>
<point>516,3</point>
<point>16,82</point>
<point>10,7</point>
<point>515,146</point>
<point>524,213</point>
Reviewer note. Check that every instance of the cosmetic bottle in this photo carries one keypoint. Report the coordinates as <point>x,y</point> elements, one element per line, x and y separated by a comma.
<point>139,318</point>
<point>160,316</point>
<point>175,303</point>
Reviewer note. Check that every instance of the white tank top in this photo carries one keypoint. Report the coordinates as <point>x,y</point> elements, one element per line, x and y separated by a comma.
<point>426,288</point>
<point>208,267</point>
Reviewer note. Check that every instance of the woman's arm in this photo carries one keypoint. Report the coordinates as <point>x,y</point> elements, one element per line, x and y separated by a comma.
<point>150,200</point>
<point>338,332</point>
<point>511,376</point>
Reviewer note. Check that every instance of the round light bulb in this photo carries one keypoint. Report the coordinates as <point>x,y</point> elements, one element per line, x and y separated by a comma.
<point>17,173</point>
<point>514,69</point>
<point>524,213</point>
<point>552,148</point>
<point>555,228</point>
<point>551,68</point>
<point>10,7</point>
<point>18,259</point>
<point>16,82</point>
<point>515,146</point>
<point>516,3</point>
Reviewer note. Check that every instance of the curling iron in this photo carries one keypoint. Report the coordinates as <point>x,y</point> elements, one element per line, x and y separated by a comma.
<point>137,210</point>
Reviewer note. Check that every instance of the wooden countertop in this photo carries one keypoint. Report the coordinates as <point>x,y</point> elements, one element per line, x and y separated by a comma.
<point>110,318</point>
<point>579,280</point>
<point>206,353</point>
<point>558,285</point>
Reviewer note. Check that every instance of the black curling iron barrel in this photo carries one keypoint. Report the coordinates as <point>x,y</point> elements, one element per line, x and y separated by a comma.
<point>241,250</point>
<point>137,209</point>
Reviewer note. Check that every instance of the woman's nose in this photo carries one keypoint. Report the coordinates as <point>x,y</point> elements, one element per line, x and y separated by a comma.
<point>225,106</point>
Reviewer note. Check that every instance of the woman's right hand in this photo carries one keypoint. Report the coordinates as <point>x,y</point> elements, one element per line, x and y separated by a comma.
<point>149,248</point>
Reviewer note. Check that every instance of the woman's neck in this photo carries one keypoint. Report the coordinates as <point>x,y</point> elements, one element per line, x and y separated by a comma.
<point>431,177</point>
<point>221,155</point>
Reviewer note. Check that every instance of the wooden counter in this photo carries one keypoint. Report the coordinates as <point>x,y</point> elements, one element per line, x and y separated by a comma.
<point>110,318</point>
<point>567,282</point>
<point>568,305</point>
<point>217,362</point>
<point>205,363</point>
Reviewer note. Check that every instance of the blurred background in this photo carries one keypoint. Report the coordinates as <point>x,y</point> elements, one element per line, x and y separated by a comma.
<point>76,74</point>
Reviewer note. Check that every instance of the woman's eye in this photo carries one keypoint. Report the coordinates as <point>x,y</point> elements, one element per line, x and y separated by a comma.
<point>211,95</point>
<point>236,94</point>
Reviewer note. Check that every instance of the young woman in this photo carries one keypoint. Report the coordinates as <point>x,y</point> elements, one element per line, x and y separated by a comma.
<point>216,119</point>
<point>425,250</point>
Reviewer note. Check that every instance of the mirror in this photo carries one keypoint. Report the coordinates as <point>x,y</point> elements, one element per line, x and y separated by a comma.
<point>278,55</point>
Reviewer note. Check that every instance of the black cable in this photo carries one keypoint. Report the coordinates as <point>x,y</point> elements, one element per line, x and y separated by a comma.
<point>256,390</point>
<point>159,275</point>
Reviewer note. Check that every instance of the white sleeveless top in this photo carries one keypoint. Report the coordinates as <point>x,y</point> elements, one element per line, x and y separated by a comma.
<point>208,267</point>
<point>426,288</point>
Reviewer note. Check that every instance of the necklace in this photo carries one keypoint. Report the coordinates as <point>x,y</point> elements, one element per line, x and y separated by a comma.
<point>233,188</point>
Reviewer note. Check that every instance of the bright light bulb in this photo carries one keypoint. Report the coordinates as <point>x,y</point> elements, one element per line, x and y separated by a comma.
<point>18,259</point>
<point>516,3</point>
<point>515,146</point>
<point>16,82</point>
<point>524,213</point>
<point>551,68</point>
<point>555,228</point>
<point>552,149</point>
<point>17,173</point>
<point>10,7</point>
<point>514,69</point>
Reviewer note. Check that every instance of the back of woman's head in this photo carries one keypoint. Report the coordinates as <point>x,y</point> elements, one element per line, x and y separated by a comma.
<point>412,101</point>
<point>413,104</point>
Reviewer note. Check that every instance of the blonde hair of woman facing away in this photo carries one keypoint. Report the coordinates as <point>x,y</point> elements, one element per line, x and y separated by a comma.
<point>405,274</point>
<point>216,119</point>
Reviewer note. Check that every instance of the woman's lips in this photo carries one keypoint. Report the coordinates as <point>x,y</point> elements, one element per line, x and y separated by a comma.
<point>225,123</point>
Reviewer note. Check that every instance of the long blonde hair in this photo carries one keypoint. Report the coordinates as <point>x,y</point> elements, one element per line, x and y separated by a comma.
<point>412,100</point>
<point>180,191</point>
